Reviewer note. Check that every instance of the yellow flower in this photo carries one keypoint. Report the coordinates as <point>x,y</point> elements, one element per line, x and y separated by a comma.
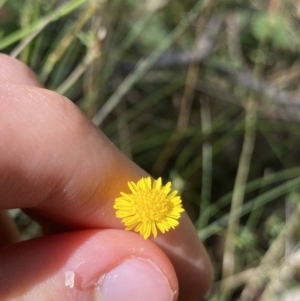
<point>148,207</point>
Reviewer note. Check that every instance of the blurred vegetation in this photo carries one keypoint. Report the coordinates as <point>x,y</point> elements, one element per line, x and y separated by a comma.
<point>204,93</point>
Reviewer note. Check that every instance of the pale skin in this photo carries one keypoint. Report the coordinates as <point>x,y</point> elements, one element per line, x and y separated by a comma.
<point>63,172</point>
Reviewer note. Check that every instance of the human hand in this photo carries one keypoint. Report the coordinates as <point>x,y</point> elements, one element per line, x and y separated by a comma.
<point>63,172</point>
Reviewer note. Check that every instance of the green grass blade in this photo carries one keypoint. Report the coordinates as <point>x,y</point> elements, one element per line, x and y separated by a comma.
<point>251,205</point>
<point>38,25</point>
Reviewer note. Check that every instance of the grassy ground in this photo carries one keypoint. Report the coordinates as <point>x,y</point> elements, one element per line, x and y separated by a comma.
<point>205,93</point>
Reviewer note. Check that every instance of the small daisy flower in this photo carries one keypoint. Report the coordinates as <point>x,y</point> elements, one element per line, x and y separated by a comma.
<point>149,206</point>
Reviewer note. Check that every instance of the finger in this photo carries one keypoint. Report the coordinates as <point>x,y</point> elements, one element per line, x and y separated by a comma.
<point>89,265</point>
<point>64,168</point>
<point>70,172</point>
<point>12,71</point>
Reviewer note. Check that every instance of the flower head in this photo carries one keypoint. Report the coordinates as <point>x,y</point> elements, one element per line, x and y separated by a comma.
<point>149,206</point>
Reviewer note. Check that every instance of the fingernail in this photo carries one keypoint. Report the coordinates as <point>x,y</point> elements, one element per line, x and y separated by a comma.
<point>135,279</point>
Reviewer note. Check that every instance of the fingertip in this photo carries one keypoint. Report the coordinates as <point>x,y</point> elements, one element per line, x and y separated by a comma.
<point>189,258</point>
<point>14,71</point>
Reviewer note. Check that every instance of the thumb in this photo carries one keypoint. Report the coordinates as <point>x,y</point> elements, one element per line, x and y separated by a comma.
<point>108,265</point>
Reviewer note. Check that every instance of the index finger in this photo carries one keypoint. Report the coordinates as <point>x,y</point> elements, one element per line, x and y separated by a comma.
<point>55,162</point>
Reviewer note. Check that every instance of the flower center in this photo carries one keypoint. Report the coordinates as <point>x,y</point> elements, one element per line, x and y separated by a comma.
<point>151,205</point>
